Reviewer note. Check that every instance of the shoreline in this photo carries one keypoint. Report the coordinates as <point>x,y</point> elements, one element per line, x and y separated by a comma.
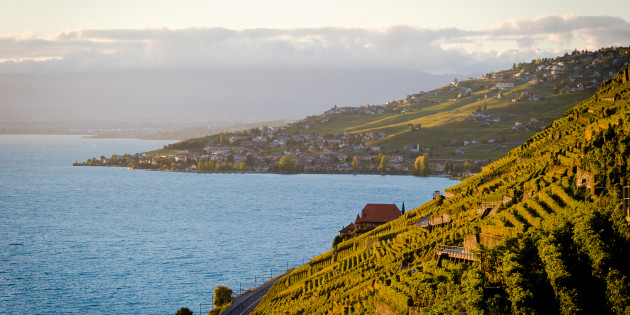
<point>272,173</point>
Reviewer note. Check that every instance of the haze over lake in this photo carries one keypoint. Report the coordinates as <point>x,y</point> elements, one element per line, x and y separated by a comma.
<point>113,240</point>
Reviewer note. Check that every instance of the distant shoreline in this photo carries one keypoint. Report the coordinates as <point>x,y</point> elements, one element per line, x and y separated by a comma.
<point>273,173</point>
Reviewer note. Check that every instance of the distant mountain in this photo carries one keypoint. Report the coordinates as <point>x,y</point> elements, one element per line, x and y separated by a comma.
<point>146,100</point>
<point>542,230</point>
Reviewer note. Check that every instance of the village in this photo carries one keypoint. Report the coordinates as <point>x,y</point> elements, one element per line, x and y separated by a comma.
<point>266,150</point>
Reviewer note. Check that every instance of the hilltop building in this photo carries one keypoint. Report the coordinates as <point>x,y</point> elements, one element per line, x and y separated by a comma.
<point>372,215</point>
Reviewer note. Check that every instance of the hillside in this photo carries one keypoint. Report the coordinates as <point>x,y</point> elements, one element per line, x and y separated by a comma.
<point>542,230</point>
<point>466,123</point>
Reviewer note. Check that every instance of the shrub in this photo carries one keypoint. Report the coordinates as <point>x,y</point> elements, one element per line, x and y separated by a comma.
<point>222,295</point>
<point>184,311</point>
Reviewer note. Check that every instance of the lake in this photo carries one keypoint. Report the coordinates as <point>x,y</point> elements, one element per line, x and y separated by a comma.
<point>78,240</point>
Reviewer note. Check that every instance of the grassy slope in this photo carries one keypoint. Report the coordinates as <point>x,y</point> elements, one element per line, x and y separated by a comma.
<point>564,249</point>
<point>445,121</point>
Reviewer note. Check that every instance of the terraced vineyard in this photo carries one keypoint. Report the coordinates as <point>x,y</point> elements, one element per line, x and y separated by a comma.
<point>564,237</point>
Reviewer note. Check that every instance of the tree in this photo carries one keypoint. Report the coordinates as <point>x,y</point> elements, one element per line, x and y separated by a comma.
<point>336,241</point>
<point>383,163</point>
<point>355,163</point>
<point>421,165</point>
<point>222,295</point>
<point>287,164</point>
<point>184,311</point>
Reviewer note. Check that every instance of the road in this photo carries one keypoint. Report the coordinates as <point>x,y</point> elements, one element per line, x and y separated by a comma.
<point>247,302</point>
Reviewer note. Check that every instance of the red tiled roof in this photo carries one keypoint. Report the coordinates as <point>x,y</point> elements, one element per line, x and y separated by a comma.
<point>348,228</point>
<point>378,213</point>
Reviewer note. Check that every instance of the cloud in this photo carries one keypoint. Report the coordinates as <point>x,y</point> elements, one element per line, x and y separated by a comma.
<point>448,50</point>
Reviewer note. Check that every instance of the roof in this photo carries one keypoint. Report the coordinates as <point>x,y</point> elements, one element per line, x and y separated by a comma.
<point>378,213</point>
<point>348,228</point>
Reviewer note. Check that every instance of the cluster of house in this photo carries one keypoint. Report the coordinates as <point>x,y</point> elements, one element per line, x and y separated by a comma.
<point>534,124</point>
<point>313,153</point>
<point>577,73</point>
<point>260,150</point>
<point>365,110</point>
<point>482,119</point>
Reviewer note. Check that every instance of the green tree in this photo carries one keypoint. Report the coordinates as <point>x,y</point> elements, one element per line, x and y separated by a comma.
<point>355,163</point>
<point>336,241</point>
<point>184,311</point>
<point>421,165</point>
<point>222,295</point>
<point>383,163</point>
<point>287,164</point>
<point>472,284</point>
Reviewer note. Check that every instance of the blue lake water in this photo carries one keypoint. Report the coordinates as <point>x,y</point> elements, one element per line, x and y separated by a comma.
<point>103,240</point>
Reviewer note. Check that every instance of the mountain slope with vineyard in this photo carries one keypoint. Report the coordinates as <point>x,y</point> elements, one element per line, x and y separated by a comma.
<point>542,230</point>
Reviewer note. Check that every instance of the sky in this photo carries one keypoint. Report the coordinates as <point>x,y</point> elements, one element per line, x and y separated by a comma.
<point>40,37</point>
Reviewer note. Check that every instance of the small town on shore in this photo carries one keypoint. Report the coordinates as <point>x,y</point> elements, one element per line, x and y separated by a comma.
<point>277,150</point>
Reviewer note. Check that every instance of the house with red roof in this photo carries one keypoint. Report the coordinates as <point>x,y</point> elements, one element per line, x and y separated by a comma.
<point>372,215</point>
<point>346,232</point>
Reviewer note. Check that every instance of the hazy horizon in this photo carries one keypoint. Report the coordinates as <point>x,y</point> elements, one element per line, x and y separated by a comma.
<point>177,98</point>
<point>161,62</point>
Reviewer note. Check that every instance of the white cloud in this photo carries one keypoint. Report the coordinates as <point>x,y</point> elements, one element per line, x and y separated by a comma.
<point>400,47</point>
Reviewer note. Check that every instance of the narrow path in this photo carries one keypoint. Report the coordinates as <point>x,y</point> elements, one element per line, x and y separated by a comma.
<point>247,302</point>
